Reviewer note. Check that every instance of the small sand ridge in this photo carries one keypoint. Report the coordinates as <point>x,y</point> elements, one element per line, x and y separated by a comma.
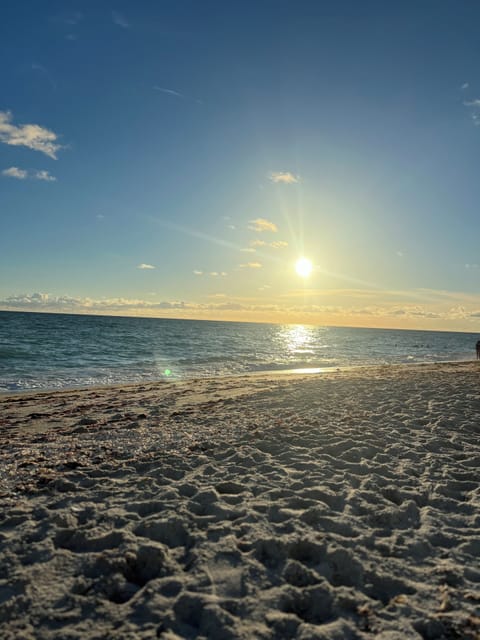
<point>340,506</point>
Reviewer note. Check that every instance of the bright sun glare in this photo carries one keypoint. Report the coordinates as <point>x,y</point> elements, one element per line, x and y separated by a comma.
<point>303,267</point>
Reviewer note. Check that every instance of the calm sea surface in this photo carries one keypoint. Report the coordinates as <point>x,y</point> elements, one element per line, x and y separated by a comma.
<point>54,351</point>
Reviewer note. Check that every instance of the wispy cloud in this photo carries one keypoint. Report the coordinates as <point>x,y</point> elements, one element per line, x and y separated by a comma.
<point>248,250</point>
<point>474,106</point>
<point>277,244</point>
<point>120,20</point>
<point>197,272</point>
<point>32,136</point>
<point>261,224</point>
<point>43,71</point>
<point>15,172</point>
<point>465,85</point>
<point>284,177</point>
<point>170,92</point>
<point>22,174</point>
<point>251,265</point>
<point>145,266</point>
<point>72,18</point>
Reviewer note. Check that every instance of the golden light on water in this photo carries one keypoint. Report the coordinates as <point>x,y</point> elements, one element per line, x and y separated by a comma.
<point>303,267</point>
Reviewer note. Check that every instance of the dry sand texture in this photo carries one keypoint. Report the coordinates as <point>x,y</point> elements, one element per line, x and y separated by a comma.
<point>335,506</point>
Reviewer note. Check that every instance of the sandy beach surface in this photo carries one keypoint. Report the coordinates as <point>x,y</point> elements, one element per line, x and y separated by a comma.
<point>331,506</point>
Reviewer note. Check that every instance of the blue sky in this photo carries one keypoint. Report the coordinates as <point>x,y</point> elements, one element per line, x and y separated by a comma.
<point>177,158</point>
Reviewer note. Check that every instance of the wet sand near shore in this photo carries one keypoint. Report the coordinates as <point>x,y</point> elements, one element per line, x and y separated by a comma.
<point>327,506</point>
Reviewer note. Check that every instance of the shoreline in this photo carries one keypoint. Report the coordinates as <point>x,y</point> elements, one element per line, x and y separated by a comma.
<point>268,373</point>
<point>317,507</point>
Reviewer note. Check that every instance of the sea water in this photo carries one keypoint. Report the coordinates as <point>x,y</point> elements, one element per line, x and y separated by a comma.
<point>56,351</point>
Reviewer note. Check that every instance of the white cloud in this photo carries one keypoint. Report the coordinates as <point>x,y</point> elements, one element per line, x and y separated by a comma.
<point>279,244</point>
<point>44,175</point>
<point>28,135</point>
<point>198,273</point>
<point>120,20</point>
<point>261,224</point>
<point>15,172</point>
<point>251,265</point>
<point>258,243</point>
<point>284,177</point>
<point>22,174</point>
<point>248,250</point>
<point>465,85</point>
<point>145,266</point>
<point>214,273</point>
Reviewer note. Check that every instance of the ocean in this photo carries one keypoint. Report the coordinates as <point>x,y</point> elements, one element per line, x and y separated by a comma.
<point>57,351</point>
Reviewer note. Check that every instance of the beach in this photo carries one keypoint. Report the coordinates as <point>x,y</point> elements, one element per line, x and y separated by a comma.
<point>337,505</point>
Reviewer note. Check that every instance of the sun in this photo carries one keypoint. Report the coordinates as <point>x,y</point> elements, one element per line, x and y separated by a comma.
<point>303,267</point>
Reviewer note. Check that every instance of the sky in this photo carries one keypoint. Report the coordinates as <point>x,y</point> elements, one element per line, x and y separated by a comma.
<point>176,158</point>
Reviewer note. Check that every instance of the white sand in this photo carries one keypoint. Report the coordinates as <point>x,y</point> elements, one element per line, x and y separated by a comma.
<point>334,506</point>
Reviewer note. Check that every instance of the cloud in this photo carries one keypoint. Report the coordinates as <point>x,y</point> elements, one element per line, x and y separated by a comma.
<point>198,273</point>
<point>276,244</point>
<point>248,250</point>
<point>71,18</point>
<point>22,174</point>
<point>120,20</point>
<point>44,175</point>
<point>465,85</point>
<point>15,172</point>
<point>45,73</point>
<point>473,265</point>
<point>260,224</point>
<point>474,105</point>
<point>31,136</point>
<point>170,92</point>
<point>284,177</point>
<point>463,314</point>
<point>145,266</point>
<point>251,265</point>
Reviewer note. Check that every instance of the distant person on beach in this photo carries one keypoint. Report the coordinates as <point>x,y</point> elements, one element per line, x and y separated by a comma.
<point>477,347</point>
